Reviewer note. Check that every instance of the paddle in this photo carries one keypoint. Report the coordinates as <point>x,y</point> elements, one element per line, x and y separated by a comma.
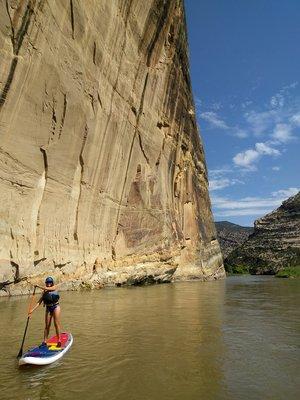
<point>28,318</point>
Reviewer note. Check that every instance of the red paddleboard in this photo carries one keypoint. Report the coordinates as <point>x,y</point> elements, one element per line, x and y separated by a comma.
<point>49,352</point>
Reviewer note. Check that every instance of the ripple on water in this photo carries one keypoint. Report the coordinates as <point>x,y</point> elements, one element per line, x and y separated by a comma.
<point>216,340</point>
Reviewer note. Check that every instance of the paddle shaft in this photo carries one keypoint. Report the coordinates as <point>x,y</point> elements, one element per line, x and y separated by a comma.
<point>27,322</point>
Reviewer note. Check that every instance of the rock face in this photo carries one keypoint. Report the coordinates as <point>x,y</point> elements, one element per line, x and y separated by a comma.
<point>102,172</point>
<point>275,243</point>
<point>230,236</point>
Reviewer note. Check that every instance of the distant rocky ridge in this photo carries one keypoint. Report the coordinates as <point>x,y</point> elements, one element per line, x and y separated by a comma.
<point>274,244</point>
<point>102,171</point>
<point>230,236</point>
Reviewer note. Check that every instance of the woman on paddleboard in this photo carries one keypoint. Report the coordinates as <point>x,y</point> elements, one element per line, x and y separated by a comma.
<point>50,299</point>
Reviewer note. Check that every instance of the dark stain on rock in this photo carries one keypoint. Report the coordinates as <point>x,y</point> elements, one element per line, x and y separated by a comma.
<point>36,262</point>
<point>17,41</point>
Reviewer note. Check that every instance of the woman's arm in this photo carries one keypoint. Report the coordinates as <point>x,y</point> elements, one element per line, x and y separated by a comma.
<point>48,288</point>
<point>36,306</point>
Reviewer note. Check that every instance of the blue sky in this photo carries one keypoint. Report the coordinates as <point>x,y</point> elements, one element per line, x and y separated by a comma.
<point>245,70</point>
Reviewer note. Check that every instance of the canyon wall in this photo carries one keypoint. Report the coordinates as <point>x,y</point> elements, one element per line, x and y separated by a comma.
<point>102,172</point>
<point>231,236</point>
<point>274,244</point>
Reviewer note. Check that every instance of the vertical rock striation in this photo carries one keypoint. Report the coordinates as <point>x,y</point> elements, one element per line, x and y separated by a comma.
<point>102,172</point>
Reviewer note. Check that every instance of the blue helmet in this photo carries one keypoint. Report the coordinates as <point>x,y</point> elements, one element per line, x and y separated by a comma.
<point>49,280</point>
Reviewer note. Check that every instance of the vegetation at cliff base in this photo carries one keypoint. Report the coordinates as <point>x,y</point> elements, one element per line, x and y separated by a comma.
<point>236,269</point>
<point>289,272</point>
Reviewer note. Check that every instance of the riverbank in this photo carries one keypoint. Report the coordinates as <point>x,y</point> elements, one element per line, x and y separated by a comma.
<point>128,276</point>
<point>288,272</point>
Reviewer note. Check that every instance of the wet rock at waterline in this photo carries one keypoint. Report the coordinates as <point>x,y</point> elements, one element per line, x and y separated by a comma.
<point>102,171</point>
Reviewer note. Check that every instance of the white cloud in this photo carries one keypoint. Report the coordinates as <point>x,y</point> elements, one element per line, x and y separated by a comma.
<point>218,172</point>
<point>285,193</point>
<point>249,157</point>
<point>291,86</point>
<point>275,120</point>
<point>246,103</point>
<point>246,159</point>
<point>281,106</point>
<point>237,213</point>
<point>283,133</point>
<point>198,102</point>
<point>255,206</point>
<point>221,183</point>
<point>260,122</point>
<point>264,149</point>
<point>246,203</point>
<point>295,119</point>
<point>277,101</point>
<point>217,184</point>
<point>214,119</point>
<point>278,123</point>
<point>280,98</point>
<point>216,106</point>
<point>240,133</point>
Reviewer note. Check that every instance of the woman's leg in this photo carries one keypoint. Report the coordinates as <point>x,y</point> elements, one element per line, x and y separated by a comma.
<point>48,319</point>
<point>56,317</point>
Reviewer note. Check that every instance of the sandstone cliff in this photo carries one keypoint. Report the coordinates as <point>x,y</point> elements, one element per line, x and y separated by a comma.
<point>102,172</point>
<point>275,243</point>
<point>231,236</point>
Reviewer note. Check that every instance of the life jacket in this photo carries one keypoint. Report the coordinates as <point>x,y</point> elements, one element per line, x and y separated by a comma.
<point>50,298</point>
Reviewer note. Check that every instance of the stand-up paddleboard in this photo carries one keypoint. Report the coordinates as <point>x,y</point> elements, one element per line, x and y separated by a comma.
<point>48,353</point>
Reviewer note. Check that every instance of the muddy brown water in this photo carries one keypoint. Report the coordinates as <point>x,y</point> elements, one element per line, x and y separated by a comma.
<point>233,339</point>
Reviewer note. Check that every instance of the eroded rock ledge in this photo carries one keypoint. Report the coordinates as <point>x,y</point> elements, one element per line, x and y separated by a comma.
<point>102,171</point>
<point>274,244</point>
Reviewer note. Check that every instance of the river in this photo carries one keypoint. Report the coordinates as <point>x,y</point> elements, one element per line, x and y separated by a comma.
<point>232,339</point>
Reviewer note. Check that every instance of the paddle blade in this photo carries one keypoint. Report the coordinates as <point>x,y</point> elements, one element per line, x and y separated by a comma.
<point>21,348</point>
<point>20,353</point>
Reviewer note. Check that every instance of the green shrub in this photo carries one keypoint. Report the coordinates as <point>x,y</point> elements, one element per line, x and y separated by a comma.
<point>237,269</point>
<point>289,272</point>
